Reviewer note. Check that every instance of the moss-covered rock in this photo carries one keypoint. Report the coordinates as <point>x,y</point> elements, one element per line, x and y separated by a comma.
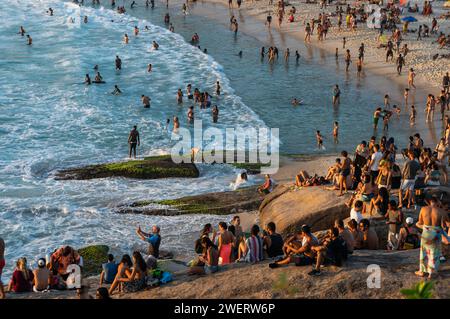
<point>219,203</point>
<point>148,168</point>
<point>93,258</point>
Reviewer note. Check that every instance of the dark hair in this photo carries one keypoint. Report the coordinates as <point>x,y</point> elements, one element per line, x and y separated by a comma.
<point>255,230</point>
<point>208,243</point>
<point>127,259</point>
<point>359,204</point>
<point>306,229</point>
<point>232,229</point>
<point>67,251</point>
<point>110,257</point>
<point>384,194</point>
<point>365,222</point>
<point>393,204</point>
<point>223,225</point>
<point>352,224</point>
<point>236,217</point>
<point>103,293</point>
<point>140,261</point>
<point>344,153</point>
<point>340,223</point>
<point>364,143</point>
<point>271,226</point>
<point>335,231</point>
<point>206,228</point>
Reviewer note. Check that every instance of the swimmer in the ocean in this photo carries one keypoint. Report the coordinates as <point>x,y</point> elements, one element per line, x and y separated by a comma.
<point>125,39</point>
<point>171,28</point>
<point>22,31</point>
<point>29,39</point>
<point>50,11</point>
<point>96,67</point>
<point>149,67</point>
<point>87,80</point>
<point>85,20</point>
<point>98,78</point>
<point>145,101</point>
<point>167,124</point>
<point>136,30</point>
<point>295,101</point>
<point>205,51</point>
<point>240,54</point>
<point>116,91</point>
<point>297,56</point>
<point>155,45</point>
<point>218,87</point>
<point>133,4</point>
<point>189,94</point>
<point>118,63</point>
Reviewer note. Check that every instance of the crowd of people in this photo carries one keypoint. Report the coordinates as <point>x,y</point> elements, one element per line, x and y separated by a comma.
<point>63,270</point>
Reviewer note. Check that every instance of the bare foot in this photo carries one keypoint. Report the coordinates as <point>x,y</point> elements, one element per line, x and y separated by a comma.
<point>420,273</point>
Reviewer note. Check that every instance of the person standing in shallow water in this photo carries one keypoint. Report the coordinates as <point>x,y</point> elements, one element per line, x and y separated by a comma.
<point>336,95</point>
<point>133,140</point>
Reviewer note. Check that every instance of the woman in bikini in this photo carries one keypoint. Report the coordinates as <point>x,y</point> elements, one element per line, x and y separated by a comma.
<point>225,243</point>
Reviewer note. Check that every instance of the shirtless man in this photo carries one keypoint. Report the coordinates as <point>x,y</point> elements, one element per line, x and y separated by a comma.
<point>431,221</point>
<point>22,31</point>
<point>345,171</point>
<point>336,132</point>
<point>218,87</point>
<point>336,95</point>
<point>348,60</point>
<point>2,265</point>
<point>145,101</point>
<point>118,63</point>
<point>133,141</point>
<point>190,114</point>
<point>369,238</point>
<point>126,39</point>
<point>319,140</point>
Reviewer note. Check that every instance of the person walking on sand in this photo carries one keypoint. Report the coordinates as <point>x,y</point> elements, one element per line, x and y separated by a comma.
<point>400,63</point>
<point>411,76</point>
<point>133,140</point>
<point>431,221</point>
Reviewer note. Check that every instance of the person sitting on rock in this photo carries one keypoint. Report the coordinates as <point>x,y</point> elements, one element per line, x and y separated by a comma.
<point>370,237</point>
<point>273,242</point>
<point>42,277</point>
<point>268,185</point>
<point>357,234</point>
<point>209,261</point>
<point>153,238</point>
<point>254,246</point>
<point>62,258</point>
<point>409,236</point>
<point>303,255</point>
<point>332,251</point>
<point>346,235</point>
<point>109,271</point>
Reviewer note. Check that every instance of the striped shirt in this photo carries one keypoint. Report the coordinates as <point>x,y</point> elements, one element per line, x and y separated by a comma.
<point>255,249</point>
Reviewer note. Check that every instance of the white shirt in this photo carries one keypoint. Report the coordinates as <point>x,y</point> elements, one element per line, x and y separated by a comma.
<point>356,215</point>
<point>376,158</point>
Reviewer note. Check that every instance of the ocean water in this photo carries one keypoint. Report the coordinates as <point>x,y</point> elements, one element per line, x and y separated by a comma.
<point>49,120</point>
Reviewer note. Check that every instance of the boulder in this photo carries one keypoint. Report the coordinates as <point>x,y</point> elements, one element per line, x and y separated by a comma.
<point>148,168</point>
<point>93,258</point>
<point>220,203</point>
<point>315,206</point>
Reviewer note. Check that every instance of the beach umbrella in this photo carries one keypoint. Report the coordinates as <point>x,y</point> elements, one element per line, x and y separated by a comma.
<point>409,19</point>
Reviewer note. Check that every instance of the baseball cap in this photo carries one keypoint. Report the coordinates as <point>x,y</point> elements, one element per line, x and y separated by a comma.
<point>409,220</point>
<point>41,262</point>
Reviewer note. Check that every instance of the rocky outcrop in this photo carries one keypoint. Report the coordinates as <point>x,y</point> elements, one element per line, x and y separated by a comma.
<point>148,168</point>
<point>220,203</point>
<point>289,209</point>
<point>93,258</point>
